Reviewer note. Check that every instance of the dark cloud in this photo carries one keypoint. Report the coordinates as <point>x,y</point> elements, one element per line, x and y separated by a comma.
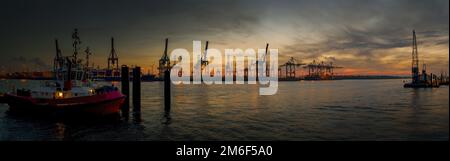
<point>304,28</point>
<point>136,25</point>
<point>20,63</point>
<point>370,25</point>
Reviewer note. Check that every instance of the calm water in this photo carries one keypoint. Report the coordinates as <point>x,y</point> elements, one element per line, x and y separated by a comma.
<point>321,110</point>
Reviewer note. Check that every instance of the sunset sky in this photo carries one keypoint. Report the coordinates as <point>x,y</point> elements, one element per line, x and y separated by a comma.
<point>367,37</point>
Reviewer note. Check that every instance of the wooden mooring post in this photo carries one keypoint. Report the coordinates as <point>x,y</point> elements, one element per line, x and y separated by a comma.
<point>137,89</point>
<point>125,79</point>
<point>167,91</point>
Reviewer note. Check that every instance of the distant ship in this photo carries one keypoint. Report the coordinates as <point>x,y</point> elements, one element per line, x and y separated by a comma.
<point>105,74</point>
<point>115,75</point>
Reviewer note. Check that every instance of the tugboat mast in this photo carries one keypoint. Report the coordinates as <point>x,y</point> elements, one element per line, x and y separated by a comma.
<point>76,42</point>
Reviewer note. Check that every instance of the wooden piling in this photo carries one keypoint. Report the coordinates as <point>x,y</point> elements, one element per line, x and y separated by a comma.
<point>432,85</point>
<point>167,91</point>
<point>125,79</point>
<point>137,89</point>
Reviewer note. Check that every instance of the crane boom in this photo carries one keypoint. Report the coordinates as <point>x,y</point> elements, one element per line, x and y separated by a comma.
<point>206,50</point>
<point>265,55</point>
<point>415,60</point>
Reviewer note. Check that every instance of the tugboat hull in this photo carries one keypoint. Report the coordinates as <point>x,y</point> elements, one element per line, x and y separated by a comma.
<point>100,104</point>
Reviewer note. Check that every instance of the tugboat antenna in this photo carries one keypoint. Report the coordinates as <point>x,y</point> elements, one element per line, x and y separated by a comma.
<point>88,53</point>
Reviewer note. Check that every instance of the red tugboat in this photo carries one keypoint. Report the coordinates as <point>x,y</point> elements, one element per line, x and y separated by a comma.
<point>71,92</point>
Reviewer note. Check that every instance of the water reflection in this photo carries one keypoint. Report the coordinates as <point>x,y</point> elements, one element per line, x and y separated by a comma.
<point>137,117</point>
<point>323,110</point>
<point>60,130</point>
<point>166,119</point>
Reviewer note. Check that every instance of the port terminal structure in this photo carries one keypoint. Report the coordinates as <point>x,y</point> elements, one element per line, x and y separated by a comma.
<point>422,79</point>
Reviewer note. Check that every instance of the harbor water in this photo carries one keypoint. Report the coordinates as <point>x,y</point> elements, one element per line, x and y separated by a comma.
<point>302,110</point>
